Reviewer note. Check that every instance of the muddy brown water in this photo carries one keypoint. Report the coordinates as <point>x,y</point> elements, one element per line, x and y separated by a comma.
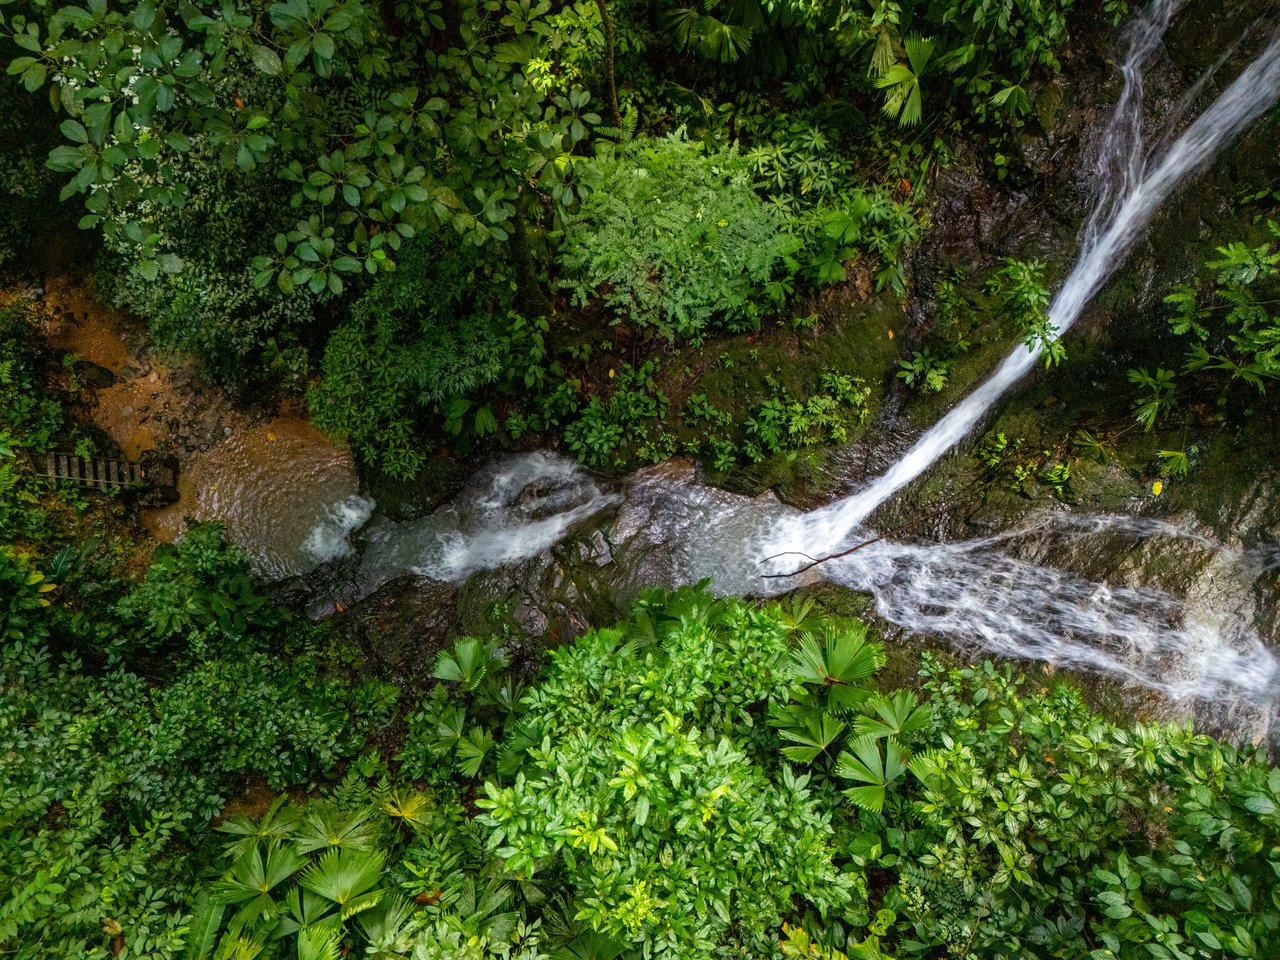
<point>282,490</point>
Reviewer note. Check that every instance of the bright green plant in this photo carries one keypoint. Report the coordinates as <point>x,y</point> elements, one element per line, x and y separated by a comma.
<point>1157,396</point>
<point>1236,335</point>
<point>1176,463</point>
<point>1020,289</point>
<point>199,590</point>
<point>1057,476</point>
<point>636,785</point>
<point>418,341</point>
<point>675,238</point>
<point>782,425</point>
<point>603,428</point>
<point>901,82</point>
<point>924,371</point>
<point>314,875</point>
<point>862,219</point>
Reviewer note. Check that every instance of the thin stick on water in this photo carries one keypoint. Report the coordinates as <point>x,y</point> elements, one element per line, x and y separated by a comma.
<point>815,561</point>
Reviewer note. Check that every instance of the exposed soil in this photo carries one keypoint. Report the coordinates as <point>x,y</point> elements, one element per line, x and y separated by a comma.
<point>251,468</point>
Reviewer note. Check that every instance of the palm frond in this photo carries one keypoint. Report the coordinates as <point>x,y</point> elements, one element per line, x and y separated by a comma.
<point>469,662</point>
<point>865,764</point>
<point>275,824</point>
<point>343,875</point>
<point>304,909</point>
<point>892,716</point>
<point>254,875</point>
<point>410,807</point>
<point>839,663</point>
<point>390,928</point>
<point>812,731</point>
<point>325,828</point>
<point>318,943</point>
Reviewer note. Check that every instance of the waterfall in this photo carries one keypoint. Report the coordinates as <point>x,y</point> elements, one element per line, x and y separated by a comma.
<point>1131,192</point>
<point>1199,644</point>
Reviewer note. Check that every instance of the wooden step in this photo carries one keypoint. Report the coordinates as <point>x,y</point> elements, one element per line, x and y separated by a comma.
<point>97,474</point>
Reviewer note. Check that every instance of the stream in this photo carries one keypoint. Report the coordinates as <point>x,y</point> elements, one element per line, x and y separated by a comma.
<point>1024,592</point>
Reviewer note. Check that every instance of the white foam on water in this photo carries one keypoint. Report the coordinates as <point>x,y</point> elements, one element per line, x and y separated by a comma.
<point>1132,192</point>
<point>330,538</point>
<point>522,506</point>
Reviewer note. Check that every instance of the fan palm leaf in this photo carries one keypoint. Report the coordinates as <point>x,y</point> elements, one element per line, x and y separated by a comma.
<point>838,665</point>
<point>322,829</point>
<point>901,82</point>
<point>275,824</point>
<point>318,943</point>
<point>389,929</point>
<point>813,732</point>
<point>469,662</point>
<point>304,910</point>
<point>892,716</point>
<point>255,875</point>
<point>344,876</point>
<point>864,763</point>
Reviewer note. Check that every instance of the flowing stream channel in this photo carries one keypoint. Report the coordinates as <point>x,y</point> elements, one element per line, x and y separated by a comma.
<point>982,590</point>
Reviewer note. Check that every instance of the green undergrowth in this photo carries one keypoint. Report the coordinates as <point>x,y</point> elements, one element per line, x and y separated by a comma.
<point>704,778</point>
<point>776,397</point>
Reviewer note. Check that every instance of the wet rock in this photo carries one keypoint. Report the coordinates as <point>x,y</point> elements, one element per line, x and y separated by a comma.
<point>161,474</point>
<point>596,550</point>
<point>402,626</point>
<point>971,214</point>
<point>100,378</point>
<point>404,500</point>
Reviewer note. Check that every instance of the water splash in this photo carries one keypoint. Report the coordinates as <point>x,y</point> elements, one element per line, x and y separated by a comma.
<point>1014,593</point>
<point>330,538</point>
<point>519,507</point>
<point>976,592</point>
<point>281,489</point>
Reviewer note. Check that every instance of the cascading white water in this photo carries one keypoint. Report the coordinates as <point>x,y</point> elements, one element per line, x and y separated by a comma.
<point>1199,646</point>
<point>1129,199</point>
<point>516,509</point>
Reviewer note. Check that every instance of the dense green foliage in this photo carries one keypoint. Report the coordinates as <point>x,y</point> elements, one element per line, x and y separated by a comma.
<point>707,778</point>
<point>379,204</point>
<point>622,226</point>
<point>678,237</point>
<point>1233,353</point>
<point>644,786</point>
<point>420,339</point>
<point>112,774</point>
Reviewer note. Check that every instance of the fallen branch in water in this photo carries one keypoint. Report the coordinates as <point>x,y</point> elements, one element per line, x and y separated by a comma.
<point>813,562</point>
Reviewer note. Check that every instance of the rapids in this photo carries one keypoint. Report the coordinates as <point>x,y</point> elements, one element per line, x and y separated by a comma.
<point>977,590</point>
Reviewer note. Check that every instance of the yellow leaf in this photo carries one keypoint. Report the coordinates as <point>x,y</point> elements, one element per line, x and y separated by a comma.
<point>1157,487</point>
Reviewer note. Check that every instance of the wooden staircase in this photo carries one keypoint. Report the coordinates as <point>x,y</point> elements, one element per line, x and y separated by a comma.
<point>98,474</point>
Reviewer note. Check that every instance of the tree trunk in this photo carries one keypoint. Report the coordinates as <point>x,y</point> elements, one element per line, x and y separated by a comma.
<point>529,296</point>
<point>607,22</point>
